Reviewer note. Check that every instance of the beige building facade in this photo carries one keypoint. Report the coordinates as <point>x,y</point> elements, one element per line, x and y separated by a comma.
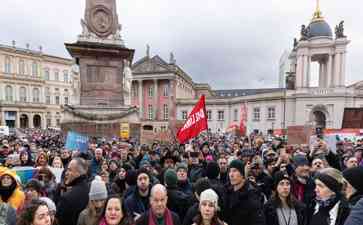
<point>34,86</point>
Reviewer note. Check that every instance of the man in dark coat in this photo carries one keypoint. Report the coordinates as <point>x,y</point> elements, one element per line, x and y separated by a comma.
<point>138,202</point>
<point>178,201</point>
<point>243,204</point>
<point>72,202</point>
<point>158,212</point>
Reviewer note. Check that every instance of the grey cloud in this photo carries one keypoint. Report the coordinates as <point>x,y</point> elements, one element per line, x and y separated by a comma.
<point>230,44</point>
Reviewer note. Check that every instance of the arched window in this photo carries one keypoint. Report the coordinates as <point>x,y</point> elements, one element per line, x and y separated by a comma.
<point>7,65</point>
<point>21,67</point>
<point>22,94</point>
<point>36,94</point>
<point>9,93</point>
<point>34,68</point>
<point>46,74</point>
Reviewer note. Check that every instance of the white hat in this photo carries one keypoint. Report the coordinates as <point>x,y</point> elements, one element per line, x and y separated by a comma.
<point>209,195</point>
<point>98,190</point>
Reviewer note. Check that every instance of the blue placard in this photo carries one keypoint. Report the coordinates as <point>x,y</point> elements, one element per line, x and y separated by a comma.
<point>76,141</point>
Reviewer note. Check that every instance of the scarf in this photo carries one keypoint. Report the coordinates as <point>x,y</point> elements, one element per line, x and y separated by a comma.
<point>168,219</point>
<point>328,203</point>
<point>6,192</point>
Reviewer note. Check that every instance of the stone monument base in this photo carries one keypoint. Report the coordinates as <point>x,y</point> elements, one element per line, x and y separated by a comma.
<point>101,121</point>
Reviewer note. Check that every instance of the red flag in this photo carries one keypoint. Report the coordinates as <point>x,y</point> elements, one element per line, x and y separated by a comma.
<point>196,122</point>
<point>242,126</point>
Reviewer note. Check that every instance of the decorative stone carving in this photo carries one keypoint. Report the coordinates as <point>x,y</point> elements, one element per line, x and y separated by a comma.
<point>127,82</point>
<point>101,23</point>
<point>149,67</point>
<point>339,30</point>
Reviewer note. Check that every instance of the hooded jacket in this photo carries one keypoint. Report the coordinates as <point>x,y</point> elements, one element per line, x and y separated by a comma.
<point>17,198</point>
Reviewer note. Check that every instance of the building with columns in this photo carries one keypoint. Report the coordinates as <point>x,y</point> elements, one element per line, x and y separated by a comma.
<point>34,86</point>
<point>300,103</point>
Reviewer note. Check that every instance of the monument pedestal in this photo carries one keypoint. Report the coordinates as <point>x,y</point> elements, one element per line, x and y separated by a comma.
<point>102,59</point>
<point>100,121</point>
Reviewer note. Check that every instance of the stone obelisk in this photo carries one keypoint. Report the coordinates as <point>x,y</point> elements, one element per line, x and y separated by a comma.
<point>103,59</point>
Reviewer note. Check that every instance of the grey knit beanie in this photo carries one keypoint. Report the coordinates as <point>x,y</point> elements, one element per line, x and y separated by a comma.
<point>98,190</point>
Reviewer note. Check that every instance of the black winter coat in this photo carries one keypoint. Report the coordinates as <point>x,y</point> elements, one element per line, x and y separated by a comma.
<point>72,203</point>
<point>243,206</point>
<point>191,214</point>
<point>178,201</point>
<point>272,217</point>
<point>343,213</point>
<point>144,219</point>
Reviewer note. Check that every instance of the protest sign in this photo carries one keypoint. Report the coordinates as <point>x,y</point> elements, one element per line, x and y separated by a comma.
<point>25,173</point>
<point>76,142</point>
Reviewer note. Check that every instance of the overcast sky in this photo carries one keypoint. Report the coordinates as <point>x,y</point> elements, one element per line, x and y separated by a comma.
<point>229,44</point>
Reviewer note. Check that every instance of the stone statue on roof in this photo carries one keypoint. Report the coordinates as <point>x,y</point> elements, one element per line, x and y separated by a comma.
<point>339,30</point>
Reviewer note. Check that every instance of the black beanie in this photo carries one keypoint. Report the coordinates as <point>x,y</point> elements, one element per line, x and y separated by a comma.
<point>330,182</point>
<point>201,185</point>
<point>212,170</point>
<point>239,165</point>
<point>279,176</point>
<point>354,177</point>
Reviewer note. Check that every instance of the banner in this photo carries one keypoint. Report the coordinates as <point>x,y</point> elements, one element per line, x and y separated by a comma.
<point>196,122</point>
<point>76,142</point>
<point>25,173</point>
<point>243,124</point>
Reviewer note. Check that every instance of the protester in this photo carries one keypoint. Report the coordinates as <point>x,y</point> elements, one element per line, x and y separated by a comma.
<point>330,207</point>
<point>242,200</point>
<point>7,214</point>
<point>52,209</point>
<point>10,191</point>
<point>283,208</point>
<point>158,212</point>
<point>76,199</point>
<point>138,202</point>
<point>182,175</point>
<point>97,198</point>
<point>354,184</point>
<point>35,213</point>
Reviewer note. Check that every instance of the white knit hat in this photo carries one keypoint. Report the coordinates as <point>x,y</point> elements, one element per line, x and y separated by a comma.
<point>98,190</point>
<point>209,195</point>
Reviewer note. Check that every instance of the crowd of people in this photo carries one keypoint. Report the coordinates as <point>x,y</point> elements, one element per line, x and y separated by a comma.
<point>215,179</point>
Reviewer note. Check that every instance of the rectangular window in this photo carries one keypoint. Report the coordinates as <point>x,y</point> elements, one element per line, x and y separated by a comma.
<point>57,100</point>
<point>66,100</point>
<point>46,74</point>
<point>150,111</point>
<point>65,74</point>
<point>166,90</point>
<point>49,122</point>
<point>235,115</point>
<point>163,128</point>
<point>166,112</point>
<point>220,115</point>
<point>134,91</point>
<point>34,69</point>
<point>151,91</point>
<point>47,100</point>
<point>184,115</point>
<point>209,115</point>
<point>271,113</point>
<point>56,75</point>
<point>7,65</point>
<point>58,122</point>
<point>256,114</point>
